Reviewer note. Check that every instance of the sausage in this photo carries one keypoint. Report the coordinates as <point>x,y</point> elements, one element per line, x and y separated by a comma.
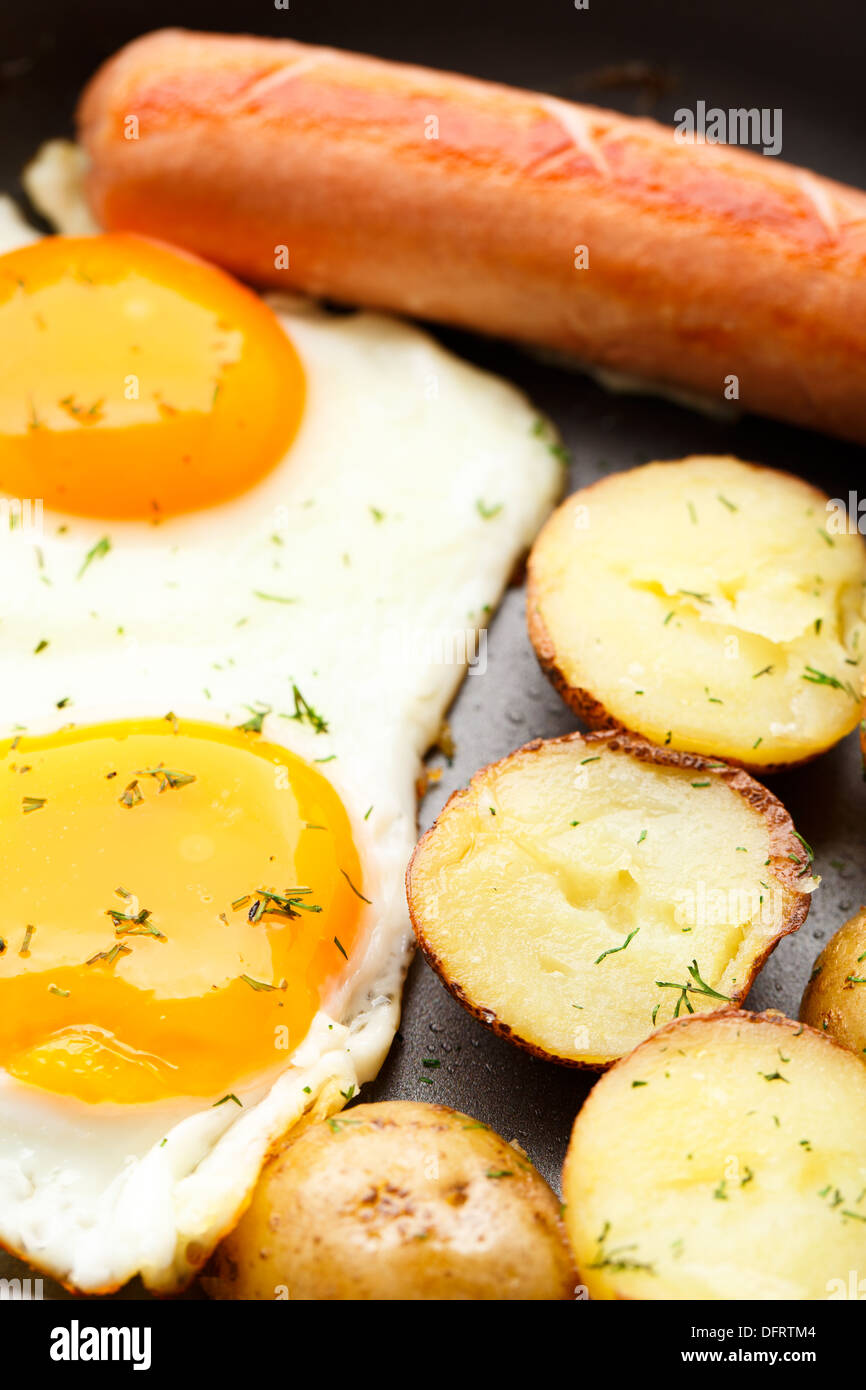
<point>703,268</point>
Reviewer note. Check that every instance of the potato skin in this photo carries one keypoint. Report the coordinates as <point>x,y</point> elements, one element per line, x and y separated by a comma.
<point>832,1001</point>
<point>397,1201</point>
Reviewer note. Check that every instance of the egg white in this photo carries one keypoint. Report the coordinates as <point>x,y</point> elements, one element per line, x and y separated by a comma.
<point>414,484</point>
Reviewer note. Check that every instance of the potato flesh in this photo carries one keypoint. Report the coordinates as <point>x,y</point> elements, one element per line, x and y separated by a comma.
<point>519,903</point>
<point>694,1171</point>
<point>666,590</point>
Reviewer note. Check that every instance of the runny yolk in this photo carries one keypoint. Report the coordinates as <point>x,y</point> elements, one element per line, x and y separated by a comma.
<point>178,901</point>
<point>139,381</point>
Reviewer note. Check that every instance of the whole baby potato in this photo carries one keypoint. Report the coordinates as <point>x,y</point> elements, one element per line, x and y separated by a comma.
<point>397,1200</point>
<point>834,1001</point>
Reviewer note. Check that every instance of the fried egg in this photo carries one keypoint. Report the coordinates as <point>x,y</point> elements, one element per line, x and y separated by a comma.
<point>249,550</point>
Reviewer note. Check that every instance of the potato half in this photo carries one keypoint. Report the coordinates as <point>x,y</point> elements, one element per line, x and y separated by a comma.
<point>723,1159</point>
<point>587,888</point>
<point>834,1001</point>
<point>397,1200</point>
<point>707,604</point>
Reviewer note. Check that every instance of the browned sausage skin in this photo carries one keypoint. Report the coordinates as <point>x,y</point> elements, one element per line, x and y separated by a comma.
<point>467,202</point>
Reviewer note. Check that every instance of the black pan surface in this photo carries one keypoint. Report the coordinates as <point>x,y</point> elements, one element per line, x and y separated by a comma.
<point>643,57</point>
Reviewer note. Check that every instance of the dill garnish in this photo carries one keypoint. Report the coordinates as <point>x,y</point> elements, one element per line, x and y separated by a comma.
<point>612,950</point>
<point>166,776</point>
<point>131,795</point>
<point>288,904</point>
<point>96,552</point>
<point>253,725</point>
<point>353,888</point>
<point>305,714</point>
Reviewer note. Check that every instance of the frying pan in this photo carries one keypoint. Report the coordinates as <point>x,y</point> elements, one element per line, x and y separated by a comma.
<point>644,57</point>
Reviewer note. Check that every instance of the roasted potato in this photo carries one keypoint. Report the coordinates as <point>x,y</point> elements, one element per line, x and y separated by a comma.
<point>834,1000</point>
<point>585,889</point>
<point>397,1200</point>
<point>707,604</point>
<point>723,1159</point>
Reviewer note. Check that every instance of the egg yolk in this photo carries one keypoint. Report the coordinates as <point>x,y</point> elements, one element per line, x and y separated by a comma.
<point>139,382</point>
<point>178,901</point>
